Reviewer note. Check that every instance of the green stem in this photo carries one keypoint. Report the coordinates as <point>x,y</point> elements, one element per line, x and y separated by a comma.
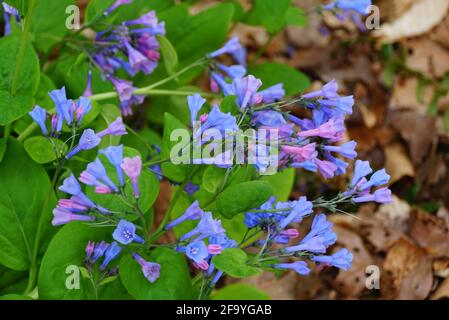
<point>21,53</point>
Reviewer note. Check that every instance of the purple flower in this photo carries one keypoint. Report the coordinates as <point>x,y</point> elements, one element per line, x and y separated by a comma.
<point>382,195</point>
<point>378,178</point>
<point>233,48</point>
<point>196,251</point>
<point>62,216</point>
<point>195,103</point>
<point>245,89</point>
<point>115,128</point>
<point>98,172</point>
<point>88,140</point>
<point>99,250</point>
<point>83,107</point>
<point>326,168</point>
<point>347,149</point>
<point>208,226</point>
<point>300,208</point>
<point>116,4</point>
<point>148,19</point>
<point>110,254</point>
<point>90,249</point>
<point>361,169</point>
<point>341,259</point>
<point>125,233</point>
<point>193,212</point>
<point>223,122</point>
<point>233,72</point>
<point>268,118</point>
<point>359,6</point>
<point>62,106</point>
<point>9,11</point>
<point>328,91</point>
<point>115,157</point>
<point>124,88</point>
<point>39,115</point>
<point>300,267</point>
<point>190,188</point>
<point>273,93</point>
<point>150,270</point>
<point>343,104</point>
<point>318,239</point>
<point>88,91</point>
<point>220,81</point>
<point>132,168</point>
<point>263,219</point>
<point>327,130</point>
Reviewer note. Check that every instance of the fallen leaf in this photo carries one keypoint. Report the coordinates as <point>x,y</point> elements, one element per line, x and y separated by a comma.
<point>422,16</point>
<point>442,291</point>
<point>407,272</point>
<point>397,163</point>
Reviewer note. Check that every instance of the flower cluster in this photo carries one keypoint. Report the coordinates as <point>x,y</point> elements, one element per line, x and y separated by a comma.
<point>205,241</point>
<point>96,251</point>
<point>131,46</point>
<point>71,114</point>
<point>80,206</point>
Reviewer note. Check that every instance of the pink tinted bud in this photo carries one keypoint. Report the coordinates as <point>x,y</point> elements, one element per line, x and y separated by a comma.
<point>214,249</point>
<point>257,98</point>
<point>291,233</point>
<point>203,265</point>
<point>132,167</point>
<point>102,189</point>
<point>214,86</point>
<point>203,117</point>
<point>153,55</point>
<point>90,249</point>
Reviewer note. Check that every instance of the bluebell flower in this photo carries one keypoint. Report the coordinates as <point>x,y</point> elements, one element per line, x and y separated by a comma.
<point>223,241</point>
<point>195,103</point>
<point>245,89</point>
<point>222,84</point>
<point>234,71</point>
<point>318,239</point>
<point>254,219</point>
<point>89,249</point>
<point>95,171</point>
<point>71,186</point>
<point>208,226</point>
<point>193,212</point>
<point>232,47</point>
<point>9,11</point>
<point>63,216</point>
<point>88,140</point>
<point>115,157</point>
<point>343,104</point>
<point>342,259</point>
<point>190,188</point>
<point>99,250</point>
<point>196,251</point>
<point>268,118</point>
<point>299,267</point>
<point>378,178</point>
<point>223,122</point>
<point>347,149</point>
<point>62,106</point>
<point>359,6</point>
<point>150,270</point>
<point>115,5</point>
<point>382,195</point>
<point>300,209</point>
<point>273,93</point>
<point>110,254</point>
<point>133,168</point>
<point>88,91</point>
<point>328,91</point>
<point>83,107</point>
<point>341,165</point>
<point>361,169</point>
<point>39,115</point>
<point>125,233</point>
<point>115,128</point>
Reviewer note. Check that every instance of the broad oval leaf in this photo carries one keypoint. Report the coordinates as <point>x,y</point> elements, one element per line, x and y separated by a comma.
<point>44,150</point>
<point>233,262</point>
<point>173,283</point>
<point>242,197</point>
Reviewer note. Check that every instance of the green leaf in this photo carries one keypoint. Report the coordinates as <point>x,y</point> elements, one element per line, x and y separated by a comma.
<point>43,150</point>
<point>48,28</point>
<point>3,144</point>
<point>240,291</point>
<point>242,197</point>
<point>272,73</point>
<point>13,296</point>
<point>270,14</point>
<point>173,283</point>
<point>233,261</point>
<point>282,183</point>
<point>42,98</point>
<point>171,170</point>
<point>228,105</point>
<point>12,279</point>
<point>295,17</point>
<point>16,105</point>
<point>169,55</point>
<point>143,141</point>
<point>66,249</point>
<point>213,178</point>
<point>24,187</point>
